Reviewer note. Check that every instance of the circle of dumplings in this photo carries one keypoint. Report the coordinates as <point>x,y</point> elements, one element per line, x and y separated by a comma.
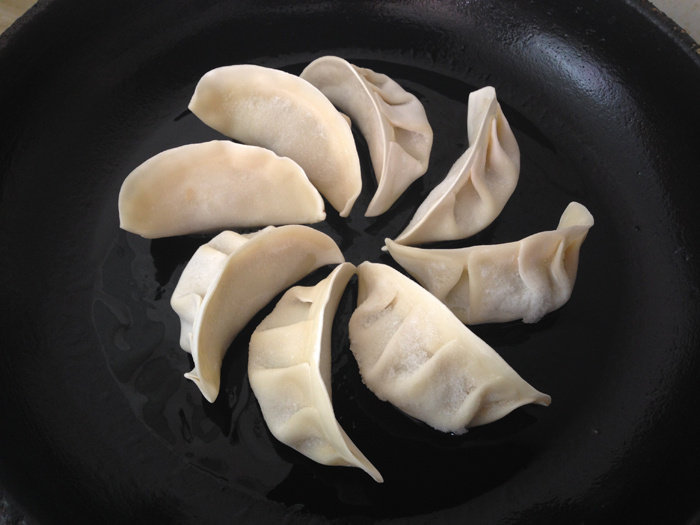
<point>409,338</point>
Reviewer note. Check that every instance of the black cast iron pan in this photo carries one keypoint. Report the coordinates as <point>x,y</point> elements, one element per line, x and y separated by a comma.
<point>97,422</point>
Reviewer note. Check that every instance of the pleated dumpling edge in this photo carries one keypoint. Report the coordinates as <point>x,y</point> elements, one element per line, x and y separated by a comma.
<point>479,183</point>
<point>392,121</point>
<point>524,279</point>
<point>289,368</point>
<point>413,352</point>
<point>236,285</point>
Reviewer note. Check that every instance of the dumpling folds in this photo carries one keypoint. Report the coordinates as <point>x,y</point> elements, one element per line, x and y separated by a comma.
<point>229,279</point>
<point>413,352</point>
<point>503,282</point>
<point>478,185</point>
<point>270,108</point>
<point>214,185</point>
<point>392,121</point>
<point>289,368</point>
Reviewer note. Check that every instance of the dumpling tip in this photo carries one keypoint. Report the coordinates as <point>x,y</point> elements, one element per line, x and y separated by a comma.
<point>374,474</point>
<point>543,399</point>
<point>387,242</point>
<point>348,205</point>
<point>203,388</point>
<point>576,214</point>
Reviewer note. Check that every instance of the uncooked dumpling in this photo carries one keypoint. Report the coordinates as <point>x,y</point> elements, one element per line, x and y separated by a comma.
<point>270,108</point>
<point>218,293</point>
<point>392,121</point>
<point>503,282</point>
<point>478,185</point>
<point>413,352</point>
<point>218,184</point>
<point>289,367</point>
<point>200,272</point>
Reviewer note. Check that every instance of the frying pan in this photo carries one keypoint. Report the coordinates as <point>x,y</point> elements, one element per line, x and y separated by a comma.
<point>97,422</point>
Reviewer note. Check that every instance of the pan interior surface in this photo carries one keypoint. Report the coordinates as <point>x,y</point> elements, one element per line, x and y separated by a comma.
<point>91,380</point>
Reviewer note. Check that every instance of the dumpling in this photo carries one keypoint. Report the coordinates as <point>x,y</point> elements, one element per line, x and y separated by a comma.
<point>218,293</point>
<point>270,108</point>
<point>478,185</point>
<point>392,121</point>
<point>289,367</point>
<point>200,272</point>
<point>413,352</point>
<point>504,282</point>
<point>218,184</point>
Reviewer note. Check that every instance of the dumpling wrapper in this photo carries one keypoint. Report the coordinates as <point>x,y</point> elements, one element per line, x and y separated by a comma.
<point>229,279</point>
<point>413,352</point>
<point>214,185</point>
<point>392,121</point>
<point>289,367</point>
<point>270,108</point>
<point>503,282</point>
<point>479,183</point>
